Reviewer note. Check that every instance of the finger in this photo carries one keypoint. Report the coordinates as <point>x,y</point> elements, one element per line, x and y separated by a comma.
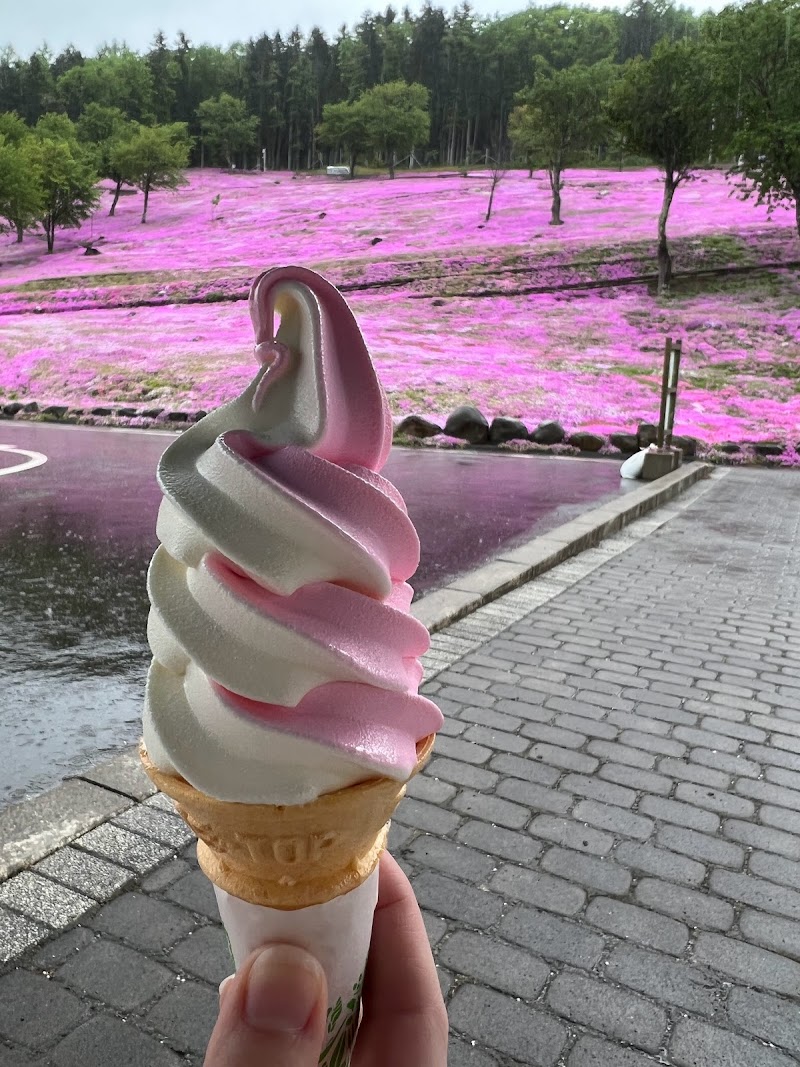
<point>271,1011</point>
<point>404,1016</point>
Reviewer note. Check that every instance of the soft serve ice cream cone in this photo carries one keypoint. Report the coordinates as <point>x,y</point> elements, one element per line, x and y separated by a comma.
<point>282,713</point>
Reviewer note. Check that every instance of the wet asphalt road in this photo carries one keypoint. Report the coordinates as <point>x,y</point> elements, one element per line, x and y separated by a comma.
<point>77,532</point>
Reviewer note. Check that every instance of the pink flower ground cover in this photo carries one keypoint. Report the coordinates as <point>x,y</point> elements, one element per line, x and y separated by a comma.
<point>157,318</point>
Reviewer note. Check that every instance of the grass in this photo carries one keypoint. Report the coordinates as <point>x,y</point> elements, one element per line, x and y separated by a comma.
<point>534,346</point>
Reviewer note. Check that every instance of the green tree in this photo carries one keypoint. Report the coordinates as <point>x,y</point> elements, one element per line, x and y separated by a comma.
<point>664,107</point>
<point>36,85</point>
<point>115,78</point>
<point>343,127</point>
<point>155,157</point>
<point>561,116</point>
<point>757,58</point>
<point>227,128</point>
<point>68,181</point>
<point>13,128</point>
<point>396,119</point>
<point>21,192</point>
<point>102,129</point>
<point>55,127</point>
<point>523,132</point>
<point>164,72</point>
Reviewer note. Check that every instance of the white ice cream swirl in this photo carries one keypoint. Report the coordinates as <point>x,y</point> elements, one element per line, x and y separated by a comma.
<point>285,658</point>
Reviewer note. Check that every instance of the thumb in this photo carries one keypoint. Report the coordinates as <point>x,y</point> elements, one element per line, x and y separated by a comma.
<point>272,1011</point>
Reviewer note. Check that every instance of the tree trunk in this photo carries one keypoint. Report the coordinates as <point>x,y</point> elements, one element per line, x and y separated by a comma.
<point>491,199</point>
<point>664,257</point>
<point>146,191</point>
<point>21,231</point>
<point>392,161</point>
<point>796,207</point>
<point>554,174</point>
<point>289,147</point>
<point>117,189</point>
<point>50,232</point>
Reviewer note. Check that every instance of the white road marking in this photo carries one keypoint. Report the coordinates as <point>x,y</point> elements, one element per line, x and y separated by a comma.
<point>35,459</point>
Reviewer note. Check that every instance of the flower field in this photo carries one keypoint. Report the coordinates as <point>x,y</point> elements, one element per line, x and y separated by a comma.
<point>512,315</point>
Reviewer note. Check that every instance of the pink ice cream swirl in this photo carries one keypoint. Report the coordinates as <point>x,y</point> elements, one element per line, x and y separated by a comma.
<point>285,657</point>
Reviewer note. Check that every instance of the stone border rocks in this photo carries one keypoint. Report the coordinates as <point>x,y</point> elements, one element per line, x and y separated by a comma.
<point>471,426</point>
<point>466,424</point>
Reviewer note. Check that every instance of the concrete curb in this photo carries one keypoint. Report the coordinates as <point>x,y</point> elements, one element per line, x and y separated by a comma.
<point>514,567</point>
<point>35,828</point>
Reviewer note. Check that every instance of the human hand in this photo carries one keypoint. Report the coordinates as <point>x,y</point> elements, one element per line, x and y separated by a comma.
<point>272,1012</point>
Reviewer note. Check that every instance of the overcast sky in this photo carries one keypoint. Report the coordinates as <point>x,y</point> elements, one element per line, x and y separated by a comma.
<point>86,24</point>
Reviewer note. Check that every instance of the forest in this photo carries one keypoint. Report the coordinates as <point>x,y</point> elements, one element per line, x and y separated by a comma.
<point>548,87</point>
<point>472,67</point>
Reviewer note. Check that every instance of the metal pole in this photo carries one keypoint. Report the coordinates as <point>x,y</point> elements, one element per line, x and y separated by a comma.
<point>672,395</point>
<point>669,392</point>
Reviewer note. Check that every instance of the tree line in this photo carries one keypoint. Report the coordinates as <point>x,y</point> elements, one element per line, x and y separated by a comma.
<point>472,68</point>
<point>550,87</point>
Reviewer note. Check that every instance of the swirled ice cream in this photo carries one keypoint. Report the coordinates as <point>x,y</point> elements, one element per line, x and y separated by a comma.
<point>285,659</point>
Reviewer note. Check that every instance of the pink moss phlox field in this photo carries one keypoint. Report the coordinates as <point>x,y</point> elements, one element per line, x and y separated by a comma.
<point>157,319</point>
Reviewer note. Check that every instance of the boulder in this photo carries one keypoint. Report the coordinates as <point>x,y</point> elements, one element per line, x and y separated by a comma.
<point>729,447</point>
<point>417,426</point>
<point>12,409</point>
<point>58,411</point>
<point>31,407</point>
<point>102,412</point>
<point>469,424</point>
<point>688,445</point>
<point>196,416</point>
<point>376,241</point>
<point>625,442</point>
<point>768,448</point>
<point>177,416</point>
<point>152,413</point>
<point>503,429</point>
<point>647,434</point>
<point>548,433</point>
<point>127,413</point>
<point>586,442</point>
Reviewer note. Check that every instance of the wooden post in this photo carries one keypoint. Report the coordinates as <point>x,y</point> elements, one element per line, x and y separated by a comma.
<point>669,392</point>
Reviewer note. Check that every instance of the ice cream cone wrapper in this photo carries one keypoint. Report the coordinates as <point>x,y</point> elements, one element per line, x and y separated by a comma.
<point>301,874</point>
<point>337,933</point>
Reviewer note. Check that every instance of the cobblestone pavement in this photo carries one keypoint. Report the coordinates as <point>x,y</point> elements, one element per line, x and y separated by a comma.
<point>606,843</point>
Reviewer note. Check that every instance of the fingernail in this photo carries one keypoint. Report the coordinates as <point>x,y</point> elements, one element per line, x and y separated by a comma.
<point>223,985</point>
<point>283,987</point>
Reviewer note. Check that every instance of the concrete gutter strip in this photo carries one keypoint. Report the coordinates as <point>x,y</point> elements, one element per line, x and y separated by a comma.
<point>35,828</point>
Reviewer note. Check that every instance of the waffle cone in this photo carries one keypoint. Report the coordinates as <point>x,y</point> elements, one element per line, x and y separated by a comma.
<point>289,856</point>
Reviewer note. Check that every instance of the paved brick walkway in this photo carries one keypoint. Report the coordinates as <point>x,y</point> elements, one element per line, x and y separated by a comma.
<point>606,844</point>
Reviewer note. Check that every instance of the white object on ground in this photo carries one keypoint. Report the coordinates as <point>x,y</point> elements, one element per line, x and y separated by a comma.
<point>633,465</point>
